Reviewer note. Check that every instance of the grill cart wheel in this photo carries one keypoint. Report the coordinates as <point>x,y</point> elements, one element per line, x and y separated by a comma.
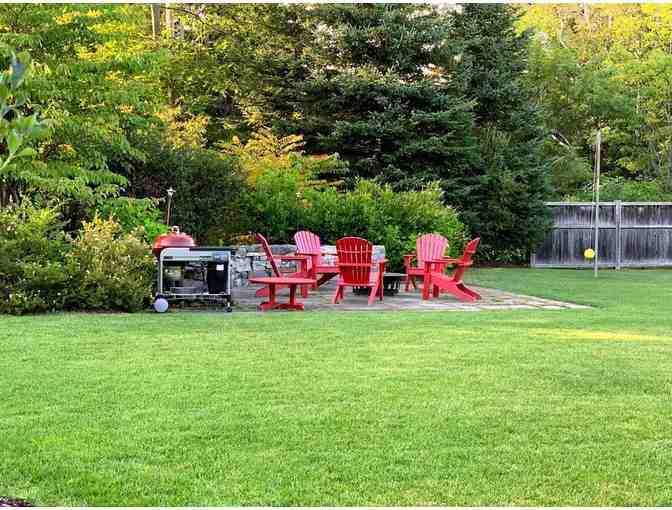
<point>161,305</point>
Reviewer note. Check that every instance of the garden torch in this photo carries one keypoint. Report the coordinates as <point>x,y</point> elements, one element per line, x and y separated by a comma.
<point>170,192</point>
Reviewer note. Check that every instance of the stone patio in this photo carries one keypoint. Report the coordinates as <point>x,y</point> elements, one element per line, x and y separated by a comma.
<point>493,299</point>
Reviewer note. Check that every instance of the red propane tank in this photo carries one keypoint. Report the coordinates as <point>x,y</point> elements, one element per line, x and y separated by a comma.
<point>173,239</point>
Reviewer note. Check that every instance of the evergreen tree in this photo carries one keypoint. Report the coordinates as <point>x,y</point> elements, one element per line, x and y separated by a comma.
<point>375,94</point>
<point>504,200</point>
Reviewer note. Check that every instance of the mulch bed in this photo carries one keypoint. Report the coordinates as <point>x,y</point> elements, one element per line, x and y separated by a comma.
<point>6,502</point>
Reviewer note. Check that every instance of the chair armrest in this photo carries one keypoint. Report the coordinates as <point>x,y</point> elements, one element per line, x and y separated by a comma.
<point>441,263</point>
<point>292,257</point>
<point>408,259</point>
<point>450,260</point>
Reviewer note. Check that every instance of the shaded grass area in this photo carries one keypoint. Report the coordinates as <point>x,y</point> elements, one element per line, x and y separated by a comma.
<point>520,407</point>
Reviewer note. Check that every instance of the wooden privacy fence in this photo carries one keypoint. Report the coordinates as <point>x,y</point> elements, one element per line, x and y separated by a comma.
<point>632,234</point>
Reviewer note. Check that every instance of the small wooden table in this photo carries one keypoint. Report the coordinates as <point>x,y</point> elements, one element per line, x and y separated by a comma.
<point>272,282</point>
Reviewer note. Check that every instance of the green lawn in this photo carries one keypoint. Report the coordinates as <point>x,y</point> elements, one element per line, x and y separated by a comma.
<point>491,408</point>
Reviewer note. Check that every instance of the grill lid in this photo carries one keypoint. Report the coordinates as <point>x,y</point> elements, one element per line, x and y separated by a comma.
<point>173,239</point>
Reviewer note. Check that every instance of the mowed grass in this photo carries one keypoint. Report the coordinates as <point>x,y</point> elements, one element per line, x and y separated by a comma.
<point>367,408</point>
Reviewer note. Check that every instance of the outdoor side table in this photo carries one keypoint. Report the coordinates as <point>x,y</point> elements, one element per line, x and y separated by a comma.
<point>391,283</point>
<point>275,281</point>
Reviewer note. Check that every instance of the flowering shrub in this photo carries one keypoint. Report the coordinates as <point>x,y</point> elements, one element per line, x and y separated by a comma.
<point>109,270</point>
<point>43,269</point>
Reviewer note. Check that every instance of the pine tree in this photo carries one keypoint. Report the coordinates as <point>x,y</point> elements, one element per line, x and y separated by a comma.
<point>504,200</point>
<point>375,95</point>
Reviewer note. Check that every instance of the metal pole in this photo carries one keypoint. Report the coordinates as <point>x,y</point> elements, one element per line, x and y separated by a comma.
<point>597,199</point>
<point>171,192</point>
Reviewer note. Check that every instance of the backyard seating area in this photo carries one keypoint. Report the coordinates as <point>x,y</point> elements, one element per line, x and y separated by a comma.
<point>368,284</point>
<point>335,255</point>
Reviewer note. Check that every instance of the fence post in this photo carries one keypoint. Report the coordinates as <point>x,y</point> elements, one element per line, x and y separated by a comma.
<point>618,205</point>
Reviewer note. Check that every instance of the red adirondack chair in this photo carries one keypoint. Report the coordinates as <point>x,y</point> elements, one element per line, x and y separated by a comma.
<point>302,260</point>
<point>427,247</point>
<point>438,281</point>
<point>309,244</point>
<point>355,262</point>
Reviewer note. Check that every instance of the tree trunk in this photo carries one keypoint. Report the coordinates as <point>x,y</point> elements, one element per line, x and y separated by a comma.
<point>170,26</point>
<point>156,20</point>
<point>586,15</point>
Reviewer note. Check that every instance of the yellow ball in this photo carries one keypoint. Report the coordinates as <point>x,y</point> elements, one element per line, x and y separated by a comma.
<point>589,253</point>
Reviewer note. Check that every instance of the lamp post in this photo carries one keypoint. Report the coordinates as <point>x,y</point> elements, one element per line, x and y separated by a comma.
<point>170,192</point>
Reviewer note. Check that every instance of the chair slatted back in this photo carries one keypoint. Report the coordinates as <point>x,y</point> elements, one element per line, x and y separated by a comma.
<point>308,243</point>
<point>467,256</point>
<point>430,247</point>
<point>269,255</point>
<point>355,259</point>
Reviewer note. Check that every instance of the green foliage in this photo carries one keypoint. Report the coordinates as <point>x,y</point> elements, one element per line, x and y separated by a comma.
<point>396,38</point>
<point>608,67</point>
<point>265,151</point>
<point>109,270</point>
<point>95,77</point>
<point>209,189</point>
<point>32,249</point>
<point>276,205</point>
<point>18,131</point>
<point>407,132</point>
<point>281,205</point>
<point>379,95</point>
<point>502,196</point>
<point>42,269</point>
<point>627,190</point>
<point>134,213</point>
<point>237,62</point>
<point>570,171</point>
<point>384,216</point>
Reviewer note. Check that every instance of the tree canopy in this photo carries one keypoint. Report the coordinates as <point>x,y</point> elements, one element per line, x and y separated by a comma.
<point>498,105</point>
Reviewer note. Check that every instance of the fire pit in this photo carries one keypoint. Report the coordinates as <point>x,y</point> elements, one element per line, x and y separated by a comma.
<point>391,284</point>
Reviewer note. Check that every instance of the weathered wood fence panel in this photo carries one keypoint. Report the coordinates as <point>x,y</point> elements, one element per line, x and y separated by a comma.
<point>632,234</point>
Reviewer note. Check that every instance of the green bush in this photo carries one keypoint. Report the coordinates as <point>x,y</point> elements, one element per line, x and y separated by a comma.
<point>132,213</point>
<point>280,205</point>
<point>109,270</point>
<point>209,190</point>
<point>383,216</point>
<point>618,188</point>
<point>276,205</point>
<point>32,251</point>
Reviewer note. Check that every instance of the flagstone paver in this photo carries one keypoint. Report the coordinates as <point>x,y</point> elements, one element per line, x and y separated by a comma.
<point>493,299</point>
